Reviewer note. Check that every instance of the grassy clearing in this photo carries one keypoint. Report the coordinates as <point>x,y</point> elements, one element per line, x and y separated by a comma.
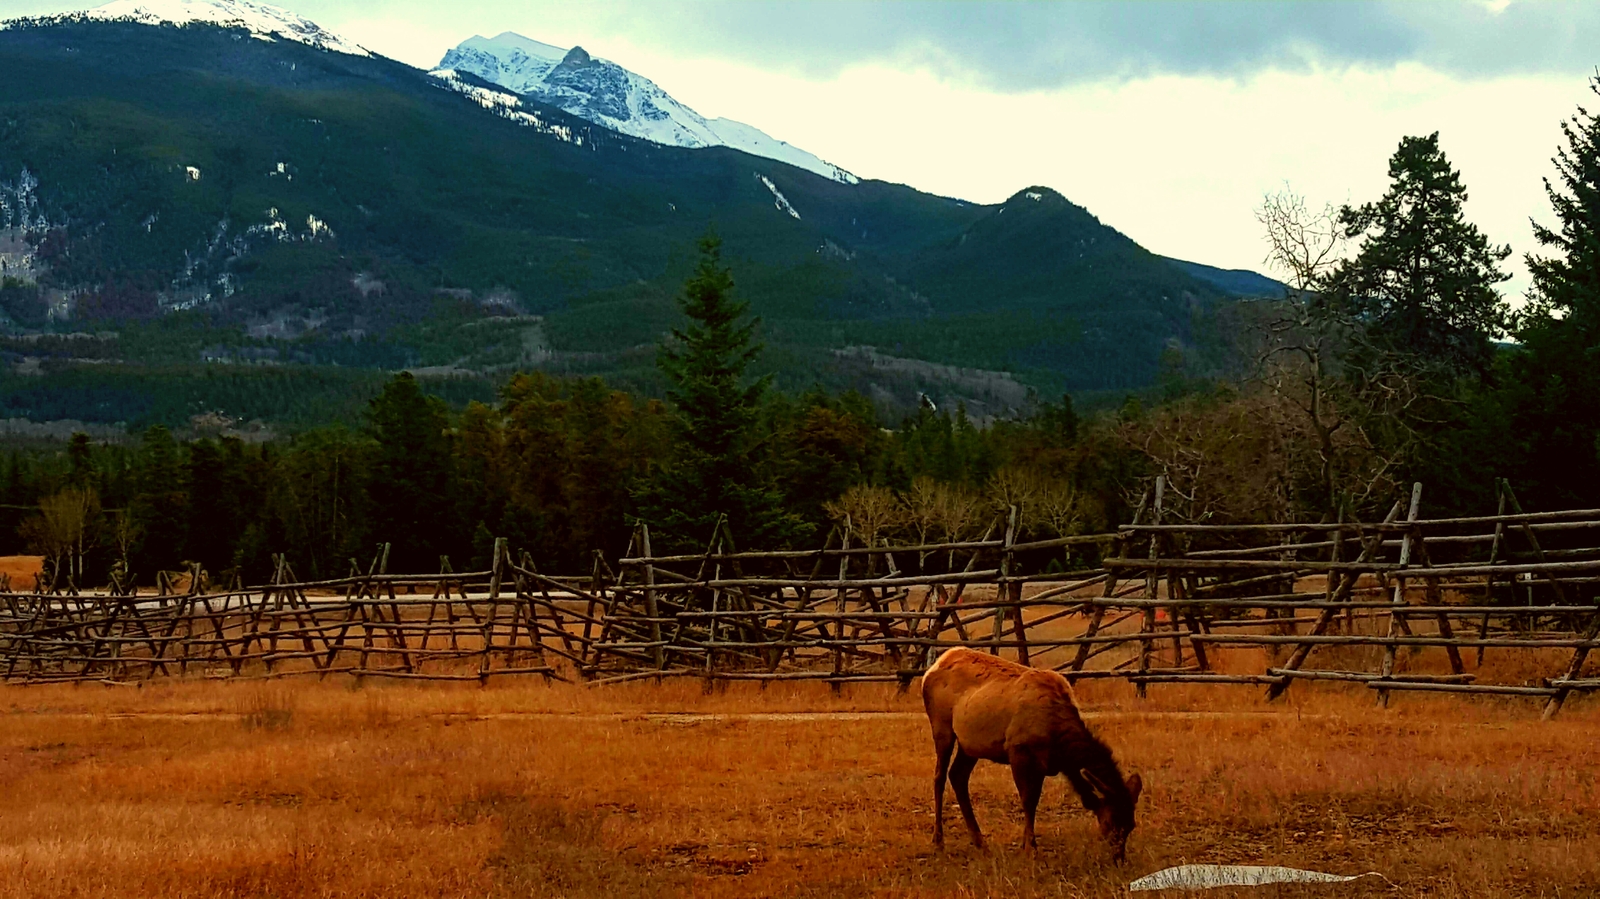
<point>250,789</point>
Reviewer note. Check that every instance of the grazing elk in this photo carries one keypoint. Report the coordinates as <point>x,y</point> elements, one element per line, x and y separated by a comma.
<point>984,707</point>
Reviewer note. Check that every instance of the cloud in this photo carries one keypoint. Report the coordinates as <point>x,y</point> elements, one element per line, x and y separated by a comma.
<point>1022,46</point>
<point>1028,46</point>
<point>1034,46</point>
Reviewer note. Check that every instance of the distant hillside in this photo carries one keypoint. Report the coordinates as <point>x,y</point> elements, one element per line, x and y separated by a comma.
<point>1237,281</point>
<point>222,200</point>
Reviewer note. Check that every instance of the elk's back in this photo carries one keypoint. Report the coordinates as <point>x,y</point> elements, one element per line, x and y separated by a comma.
<point>992,705</point>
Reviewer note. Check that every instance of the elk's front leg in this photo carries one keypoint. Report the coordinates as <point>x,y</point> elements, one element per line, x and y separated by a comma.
<point>1029,778</point>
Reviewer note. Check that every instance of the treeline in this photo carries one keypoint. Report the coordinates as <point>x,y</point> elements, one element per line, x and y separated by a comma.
<point>560,467</point>
<point>290,397</point>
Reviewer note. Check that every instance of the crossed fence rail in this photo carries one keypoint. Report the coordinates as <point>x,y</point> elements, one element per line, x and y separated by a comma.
<point>1404,604</point>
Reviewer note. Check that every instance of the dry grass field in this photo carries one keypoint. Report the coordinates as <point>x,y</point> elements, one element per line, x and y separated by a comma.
<point>202,789</point>
<point>21,570</point>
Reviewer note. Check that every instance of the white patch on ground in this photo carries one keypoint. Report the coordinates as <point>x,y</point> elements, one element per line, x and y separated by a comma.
<point>204,275</point>
<point>19,204</point>
<point>1205,877</point>
<point>831,250</point>
<point>17,260</point>
<point>780,201</point>
<point>367,285</point>
<point>317,229</point>
<point>274,228</point>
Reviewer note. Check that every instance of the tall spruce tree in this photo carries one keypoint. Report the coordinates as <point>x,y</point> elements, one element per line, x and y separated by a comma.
<point>1423,281</point>
<point>715,467</point>
<point>1555,391</point>
<point>413,470</point>
<point>159,507</point>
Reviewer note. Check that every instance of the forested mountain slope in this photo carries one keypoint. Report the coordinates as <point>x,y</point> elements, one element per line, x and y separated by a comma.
<point>214,197</point>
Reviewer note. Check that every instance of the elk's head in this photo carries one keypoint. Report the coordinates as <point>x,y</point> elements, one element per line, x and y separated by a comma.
<point>1115,810</point>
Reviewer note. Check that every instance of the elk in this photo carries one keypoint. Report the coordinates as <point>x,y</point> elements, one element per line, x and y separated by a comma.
<point>985,707</point>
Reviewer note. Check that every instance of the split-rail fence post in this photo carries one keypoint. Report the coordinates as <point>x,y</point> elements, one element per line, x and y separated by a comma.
<point>1399,596</point>
<point>1152,589</point>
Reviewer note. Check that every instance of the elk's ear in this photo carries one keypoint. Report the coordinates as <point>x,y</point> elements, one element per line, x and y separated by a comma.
<point>1099,785</point>
<point>1135,786</point>
<point>1086,791</point>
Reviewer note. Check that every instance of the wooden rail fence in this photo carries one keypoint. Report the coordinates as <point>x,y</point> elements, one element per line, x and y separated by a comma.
<point>1403,604</point>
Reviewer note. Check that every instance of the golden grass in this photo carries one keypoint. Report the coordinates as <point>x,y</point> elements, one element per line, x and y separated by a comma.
<point>199,789</point>
<point>22,570</point>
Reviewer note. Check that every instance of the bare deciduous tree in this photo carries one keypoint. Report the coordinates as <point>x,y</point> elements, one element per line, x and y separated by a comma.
<point>921,505</point>
<point>1015,487</point>
<point>124,536</point>
<point>1222,462</point>
<point>61,533</point>
<point>1347,412</point>
<point>870,511</point>
<point>1307,244</point>
<point>1061,507</point>
<point>1298,362</point>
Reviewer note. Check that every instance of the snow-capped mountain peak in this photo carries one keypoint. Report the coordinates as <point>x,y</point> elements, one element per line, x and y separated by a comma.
<point>607,94</point>
<point>509,60</point>
<point>263,21</point>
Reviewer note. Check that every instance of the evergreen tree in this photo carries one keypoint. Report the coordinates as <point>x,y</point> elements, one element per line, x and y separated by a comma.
<point>823,445</point>
<point>16,492</point>
<point>80,462</point>
<point>1423,281</point>
<point>945,447</point>
<point>411,496</point>
<point>714,468</point>
<point>318,499</point>
<point>161,503</point>
<point>1554,389</point>
<point>222,499</point>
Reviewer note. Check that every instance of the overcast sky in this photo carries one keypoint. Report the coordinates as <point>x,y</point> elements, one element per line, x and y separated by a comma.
<point>1169,120</point>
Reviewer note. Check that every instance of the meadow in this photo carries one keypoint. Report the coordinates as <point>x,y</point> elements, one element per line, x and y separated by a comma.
<point>190,788</point>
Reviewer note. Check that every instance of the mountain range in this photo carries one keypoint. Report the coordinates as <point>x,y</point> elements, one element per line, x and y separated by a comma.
<point>228,194</point>
<point>609,95</point>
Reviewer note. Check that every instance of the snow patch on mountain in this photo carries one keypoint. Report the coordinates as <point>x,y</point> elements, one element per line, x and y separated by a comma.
<point>505,105</point>
<point>207,273</point>
<point>779,200</point>
<point>19,204</point>
<point>262,20</point>
<point>22,225</point>
<point>609,95</point>
<point>512,61</point>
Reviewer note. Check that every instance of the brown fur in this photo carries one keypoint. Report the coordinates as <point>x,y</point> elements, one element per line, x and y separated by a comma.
<point>985,707</point>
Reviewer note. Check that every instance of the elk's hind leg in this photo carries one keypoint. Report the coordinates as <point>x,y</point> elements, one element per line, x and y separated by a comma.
<point>944,745</point>
<point>960,771</point>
